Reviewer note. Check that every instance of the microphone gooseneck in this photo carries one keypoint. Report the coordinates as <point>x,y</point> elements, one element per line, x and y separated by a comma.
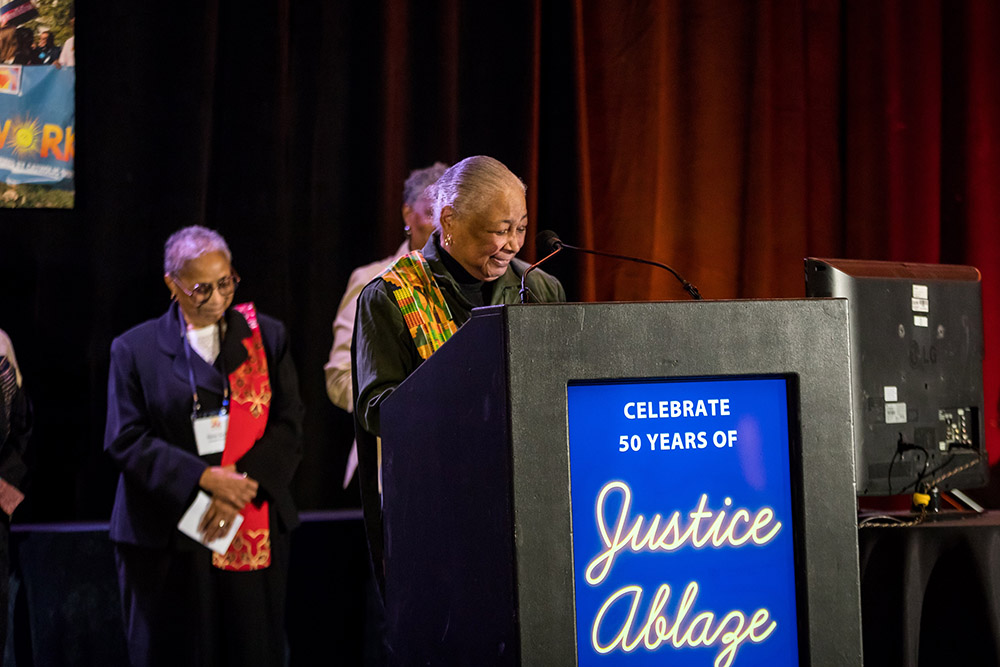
<point>552,240</point>
<point>524,286</point>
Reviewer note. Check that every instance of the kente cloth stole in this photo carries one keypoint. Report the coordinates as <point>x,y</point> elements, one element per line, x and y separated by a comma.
<point>249,404</point>
<point>420,299</point>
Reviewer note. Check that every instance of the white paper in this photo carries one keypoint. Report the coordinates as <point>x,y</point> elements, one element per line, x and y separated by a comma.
<point>895,413</point>
<point>192,518</point>
<point>920,291</point>
<point>890,394</point>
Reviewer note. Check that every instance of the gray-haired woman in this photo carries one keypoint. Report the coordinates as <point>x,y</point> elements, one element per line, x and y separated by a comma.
<point>204,423</point>
<point>480,216</point>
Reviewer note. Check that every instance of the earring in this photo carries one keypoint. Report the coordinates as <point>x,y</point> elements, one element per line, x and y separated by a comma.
<point>406,230</point>
<point>448,240</point>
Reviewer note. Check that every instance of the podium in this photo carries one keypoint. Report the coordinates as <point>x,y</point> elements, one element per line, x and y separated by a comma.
<point>516,460</point>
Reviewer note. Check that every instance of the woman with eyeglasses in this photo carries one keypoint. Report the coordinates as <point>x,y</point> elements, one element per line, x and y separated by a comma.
<point>204,424</point>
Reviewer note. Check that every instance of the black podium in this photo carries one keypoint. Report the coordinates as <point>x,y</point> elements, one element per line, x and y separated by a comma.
<point>476,470</point>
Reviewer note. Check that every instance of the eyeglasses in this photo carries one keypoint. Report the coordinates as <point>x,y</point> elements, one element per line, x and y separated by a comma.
<point>202,292</point>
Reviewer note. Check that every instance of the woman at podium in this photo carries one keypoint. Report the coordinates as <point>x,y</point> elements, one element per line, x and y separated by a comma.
<point>414,306</point>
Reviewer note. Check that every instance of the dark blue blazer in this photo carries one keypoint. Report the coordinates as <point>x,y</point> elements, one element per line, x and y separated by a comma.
<point>150,437</point>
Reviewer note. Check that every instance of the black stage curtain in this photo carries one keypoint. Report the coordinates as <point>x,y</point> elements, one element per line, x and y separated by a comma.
<point>729,138</point>
<point>288,126</point>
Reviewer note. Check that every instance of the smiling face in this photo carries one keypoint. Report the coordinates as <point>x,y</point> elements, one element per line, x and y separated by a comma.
<point>485,241</point>
<point>206,269</point>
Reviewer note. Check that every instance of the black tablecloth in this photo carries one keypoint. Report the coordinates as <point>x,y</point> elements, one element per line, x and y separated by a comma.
<point>930,594</point>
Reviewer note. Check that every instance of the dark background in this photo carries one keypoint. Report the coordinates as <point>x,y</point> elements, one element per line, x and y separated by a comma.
<point>728,138</point>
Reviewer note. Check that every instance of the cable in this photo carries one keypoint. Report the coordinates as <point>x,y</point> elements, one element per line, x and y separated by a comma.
<point>921,500</point>
<point>901,449</point>
<point>892,462</point>
<point>957,470</point>
<point>913,484</point>
<point>885,521</point>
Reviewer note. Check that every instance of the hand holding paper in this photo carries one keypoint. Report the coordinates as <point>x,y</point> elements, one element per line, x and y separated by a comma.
<point>219,539</point>
<point>216,519</point>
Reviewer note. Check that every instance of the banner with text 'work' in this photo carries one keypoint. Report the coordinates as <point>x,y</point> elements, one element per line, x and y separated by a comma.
<point>37,117</point>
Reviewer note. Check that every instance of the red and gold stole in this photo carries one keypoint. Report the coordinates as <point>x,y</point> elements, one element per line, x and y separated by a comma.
<point>419,298</point>
<point>250,400</point>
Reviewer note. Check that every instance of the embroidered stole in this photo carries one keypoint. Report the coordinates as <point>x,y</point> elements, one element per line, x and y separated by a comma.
<point>420,299</point>
<point>250,400</point>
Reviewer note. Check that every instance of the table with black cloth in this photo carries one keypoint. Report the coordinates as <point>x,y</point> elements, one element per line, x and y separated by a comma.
<point>66,609</point>
<point>930,594</point>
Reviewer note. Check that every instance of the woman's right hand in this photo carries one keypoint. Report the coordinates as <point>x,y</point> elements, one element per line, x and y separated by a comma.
<point>226,484</point>
<point>217,519</point>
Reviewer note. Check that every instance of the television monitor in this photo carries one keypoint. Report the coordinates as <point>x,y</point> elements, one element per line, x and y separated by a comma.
<point>916,357</point>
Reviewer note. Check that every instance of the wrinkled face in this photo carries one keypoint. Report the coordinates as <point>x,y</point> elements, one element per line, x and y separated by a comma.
<point>420,219</point>
<point>484,242</point>
<point>207,269</point>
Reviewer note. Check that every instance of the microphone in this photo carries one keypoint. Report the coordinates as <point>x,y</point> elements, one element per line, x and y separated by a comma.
<point>551,240</point>
<point>555,250</point>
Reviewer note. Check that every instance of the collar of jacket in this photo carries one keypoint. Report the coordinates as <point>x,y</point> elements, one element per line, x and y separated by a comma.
<point>507,289</point>
<point>206,376</point>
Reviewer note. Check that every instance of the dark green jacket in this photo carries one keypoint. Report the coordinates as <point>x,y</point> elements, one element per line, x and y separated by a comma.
<point>383,350</point>
<point>383,355</point>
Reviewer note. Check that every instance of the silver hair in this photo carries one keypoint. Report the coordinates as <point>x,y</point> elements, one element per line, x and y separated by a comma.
<point>470,185</point>
<point>419,180</point>
<point>190,243</point>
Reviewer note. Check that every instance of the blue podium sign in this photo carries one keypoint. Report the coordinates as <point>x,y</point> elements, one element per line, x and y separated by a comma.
<point>682,510</point>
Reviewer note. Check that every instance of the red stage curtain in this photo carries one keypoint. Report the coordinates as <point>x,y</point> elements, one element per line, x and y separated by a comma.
<point>732,139</point>
<point>726,137</point>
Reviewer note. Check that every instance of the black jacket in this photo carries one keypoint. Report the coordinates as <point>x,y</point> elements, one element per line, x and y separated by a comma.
<point>150,437</point>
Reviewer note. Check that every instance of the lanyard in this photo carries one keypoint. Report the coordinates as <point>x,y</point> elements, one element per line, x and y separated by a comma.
<point>190,368</point>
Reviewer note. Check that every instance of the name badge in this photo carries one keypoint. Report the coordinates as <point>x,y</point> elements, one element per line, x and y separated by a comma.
<point>210,433</point>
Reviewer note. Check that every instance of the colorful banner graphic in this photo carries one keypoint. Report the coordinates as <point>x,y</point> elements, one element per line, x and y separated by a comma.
<point>37,115</point>
<point>683,546</point>
<point>16,12</point>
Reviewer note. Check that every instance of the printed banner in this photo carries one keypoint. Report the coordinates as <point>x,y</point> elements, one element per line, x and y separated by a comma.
<point>683,544</point>
<point>16,12</point>
<point>36,124</point>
